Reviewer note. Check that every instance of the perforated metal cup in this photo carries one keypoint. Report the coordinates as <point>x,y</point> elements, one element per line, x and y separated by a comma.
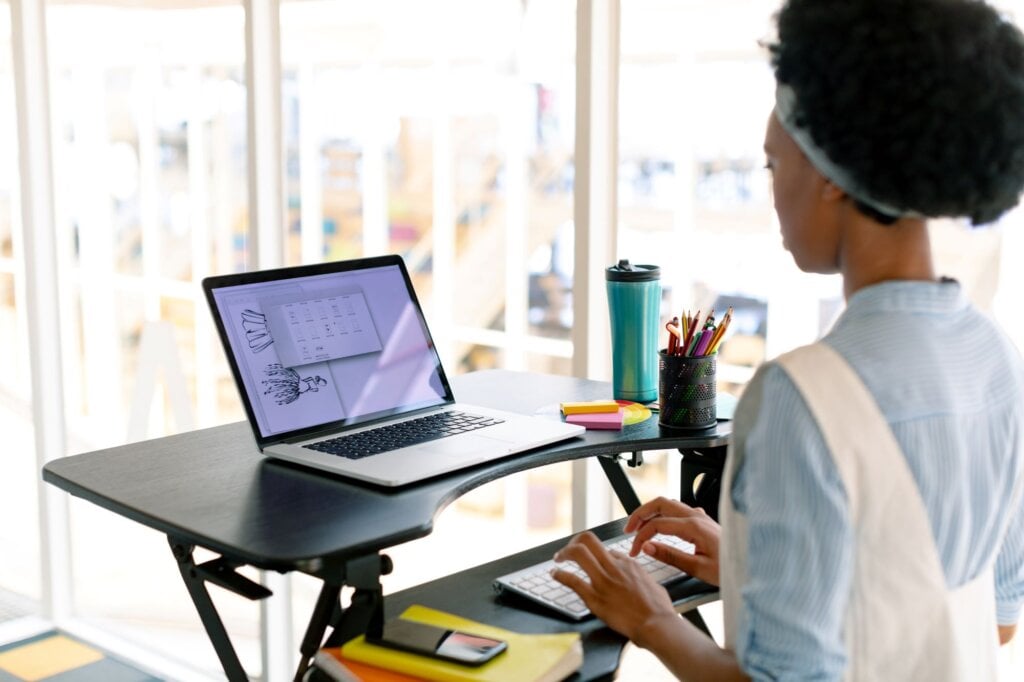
<point>686,391</point>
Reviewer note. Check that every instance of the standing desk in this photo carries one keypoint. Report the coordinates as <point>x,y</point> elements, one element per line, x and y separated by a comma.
<point>211,488</point>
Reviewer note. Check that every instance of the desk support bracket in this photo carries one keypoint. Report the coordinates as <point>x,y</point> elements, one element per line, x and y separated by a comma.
<point>365,614</point>
<point>222,573</point>
<point>620,482</point>
<point>701,478</point>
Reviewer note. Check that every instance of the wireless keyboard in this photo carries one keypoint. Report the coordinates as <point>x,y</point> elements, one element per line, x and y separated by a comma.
<point>537,584</point>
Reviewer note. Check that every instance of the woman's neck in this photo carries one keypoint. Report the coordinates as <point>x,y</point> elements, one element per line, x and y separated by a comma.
<point>871,253</point>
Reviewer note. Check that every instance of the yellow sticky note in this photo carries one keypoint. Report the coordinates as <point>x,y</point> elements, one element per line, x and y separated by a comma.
<point>47,657</point>
<point>590,407</point>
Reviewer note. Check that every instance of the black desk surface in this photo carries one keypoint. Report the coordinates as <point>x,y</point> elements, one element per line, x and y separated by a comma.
<point>212,487</point>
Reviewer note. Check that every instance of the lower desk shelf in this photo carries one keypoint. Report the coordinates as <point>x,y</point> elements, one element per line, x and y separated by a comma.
<point>469,594</point>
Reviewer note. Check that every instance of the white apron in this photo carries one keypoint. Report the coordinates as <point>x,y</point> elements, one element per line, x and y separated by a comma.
<point>902,623</point>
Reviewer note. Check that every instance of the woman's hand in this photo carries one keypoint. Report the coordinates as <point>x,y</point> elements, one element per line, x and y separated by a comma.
<point>619,591</point>
<point>671,517</point>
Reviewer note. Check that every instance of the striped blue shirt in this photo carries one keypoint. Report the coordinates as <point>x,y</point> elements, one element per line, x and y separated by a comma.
<point>951,386</point>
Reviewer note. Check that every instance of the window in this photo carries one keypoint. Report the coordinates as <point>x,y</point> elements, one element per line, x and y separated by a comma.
<point>444,131</point>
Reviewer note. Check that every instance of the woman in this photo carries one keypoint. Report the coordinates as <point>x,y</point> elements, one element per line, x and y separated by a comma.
<point>872,523</point>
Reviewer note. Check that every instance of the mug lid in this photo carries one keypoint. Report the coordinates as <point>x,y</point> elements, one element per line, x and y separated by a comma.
<point>624,271</point>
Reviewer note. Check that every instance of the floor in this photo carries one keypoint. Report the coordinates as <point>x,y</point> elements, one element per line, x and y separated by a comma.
<point>55,657</point>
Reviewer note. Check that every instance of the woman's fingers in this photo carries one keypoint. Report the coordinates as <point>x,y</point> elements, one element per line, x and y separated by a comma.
<point>617,589</point>
<point>699,566</point>
<point>589,554</point>
<point>574,582</point>
<point>701,531</point>
<point>660,506</point>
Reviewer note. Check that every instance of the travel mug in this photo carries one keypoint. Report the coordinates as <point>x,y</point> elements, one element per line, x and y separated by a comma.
<point>634,303</point>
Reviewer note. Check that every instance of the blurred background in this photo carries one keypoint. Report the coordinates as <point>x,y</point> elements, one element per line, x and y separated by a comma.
<point>149,144</point>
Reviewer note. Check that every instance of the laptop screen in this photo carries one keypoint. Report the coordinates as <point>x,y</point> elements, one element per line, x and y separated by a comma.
<point>326,346</point>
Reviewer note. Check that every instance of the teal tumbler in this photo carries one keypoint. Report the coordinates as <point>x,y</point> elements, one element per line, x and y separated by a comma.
<point>634,304</point>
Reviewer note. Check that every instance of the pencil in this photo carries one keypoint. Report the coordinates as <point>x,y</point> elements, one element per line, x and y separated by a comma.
<point>720,333</point>
<point>691,333</point>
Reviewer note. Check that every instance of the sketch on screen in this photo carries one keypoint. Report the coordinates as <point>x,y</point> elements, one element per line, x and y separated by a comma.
<point>277,404</point>
<point>257,333</point>
<point>285,385</point>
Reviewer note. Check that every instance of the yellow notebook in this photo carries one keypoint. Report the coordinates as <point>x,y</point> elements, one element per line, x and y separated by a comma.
<point>537,658</point>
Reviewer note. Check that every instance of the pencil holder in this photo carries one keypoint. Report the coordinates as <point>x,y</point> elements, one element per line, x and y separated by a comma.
<point>686,391</point>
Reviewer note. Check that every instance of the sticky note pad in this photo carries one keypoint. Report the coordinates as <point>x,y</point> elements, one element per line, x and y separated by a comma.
<point>611,421</point>
<point>590,407</point>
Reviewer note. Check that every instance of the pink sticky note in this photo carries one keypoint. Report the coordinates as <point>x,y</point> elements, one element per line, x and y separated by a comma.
<point>611,421</point>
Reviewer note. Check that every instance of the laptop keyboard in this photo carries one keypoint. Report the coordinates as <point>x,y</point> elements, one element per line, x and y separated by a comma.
<point>537,584</point>
<point>402,434</point>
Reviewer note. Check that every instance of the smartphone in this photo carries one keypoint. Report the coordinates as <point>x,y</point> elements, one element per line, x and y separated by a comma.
<point>447,645</point>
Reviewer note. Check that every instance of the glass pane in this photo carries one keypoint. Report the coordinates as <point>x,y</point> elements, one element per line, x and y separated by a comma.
<point>149,110</point>
<point>20,570</point>
<point>9,187</point>
<point>20,587</point>
<point>693,194</point>
<point>150,145</point>
<point>14,377</point>
<point>476,357</point>
<point>548,364</point>
<point>400,128</point>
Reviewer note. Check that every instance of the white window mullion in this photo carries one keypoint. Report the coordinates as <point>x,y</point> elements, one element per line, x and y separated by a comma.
<point>595,197</point>
<point>266,157</point>
<point>41,292</point>
<point>16,266</point>
<point>595,209</point>
<point>266,250</point>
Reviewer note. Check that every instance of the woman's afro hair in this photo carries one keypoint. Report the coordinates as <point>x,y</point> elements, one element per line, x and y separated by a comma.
<point>922,101</point>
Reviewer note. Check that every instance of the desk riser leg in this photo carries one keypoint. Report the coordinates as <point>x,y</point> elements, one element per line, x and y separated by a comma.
<point>327,605</point>
<point>208,613</point>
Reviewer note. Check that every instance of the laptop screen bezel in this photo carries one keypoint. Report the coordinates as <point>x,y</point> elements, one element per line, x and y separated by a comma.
<point>282,274</point>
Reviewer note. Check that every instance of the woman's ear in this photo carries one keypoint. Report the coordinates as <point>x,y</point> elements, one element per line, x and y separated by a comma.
<point>831,191</point>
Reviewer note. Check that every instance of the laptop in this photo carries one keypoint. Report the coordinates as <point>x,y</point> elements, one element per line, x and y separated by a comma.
<point>337,371</point>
